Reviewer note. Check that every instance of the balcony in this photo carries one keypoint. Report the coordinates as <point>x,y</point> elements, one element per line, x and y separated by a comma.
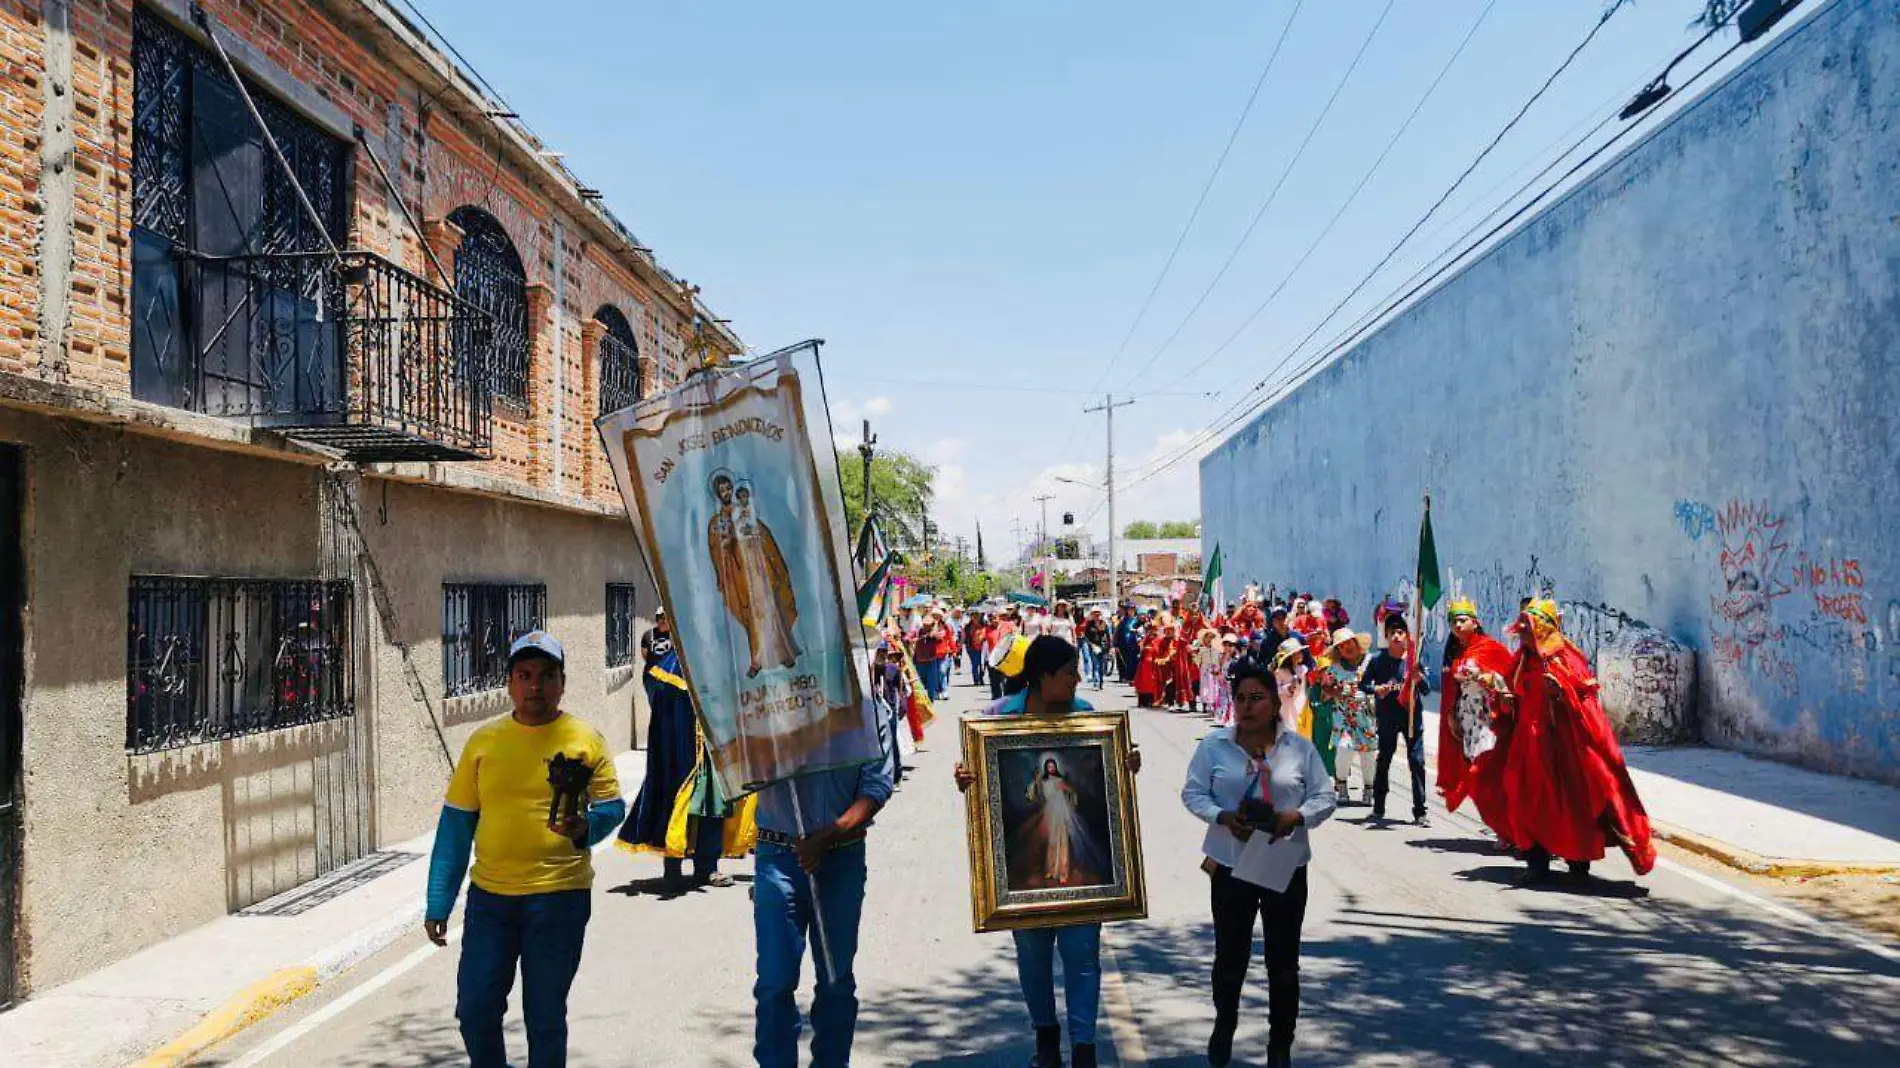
<point>346,351</point>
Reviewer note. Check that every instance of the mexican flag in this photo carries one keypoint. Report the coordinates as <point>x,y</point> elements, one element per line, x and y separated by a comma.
<point>1430,590</point>
<point>1210,578</point>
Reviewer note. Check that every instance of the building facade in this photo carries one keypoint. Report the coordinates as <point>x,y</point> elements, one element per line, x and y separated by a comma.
<point>1669,400</point>
<point>302,338</point>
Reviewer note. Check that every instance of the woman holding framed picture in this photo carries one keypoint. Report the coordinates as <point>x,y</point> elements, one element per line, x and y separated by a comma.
<point>1057,839</point>
<point>1260,787</point>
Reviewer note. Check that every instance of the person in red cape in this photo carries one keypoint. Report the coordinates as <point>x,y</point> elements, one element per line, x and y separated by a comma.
<point>1167,662</point>
<point>1250,619</point>
<point>1186,674</point>
<point>1474,719</point>
<point>1565,783</point>
<point>1147,674</point>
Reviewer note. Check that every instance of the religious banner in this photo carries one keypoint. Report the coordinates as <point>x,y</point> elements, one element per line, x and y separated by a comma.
<point>732,485</point>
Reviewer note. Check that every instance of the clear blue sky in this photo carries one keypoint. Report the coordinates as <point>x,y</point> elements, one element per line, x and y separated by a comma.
<point>980,194</point>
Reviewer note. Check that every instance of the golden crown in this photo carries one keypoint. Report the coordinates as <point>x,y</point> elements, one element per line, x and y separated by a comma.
<point>1546,609</point>
<point>1462,607</point>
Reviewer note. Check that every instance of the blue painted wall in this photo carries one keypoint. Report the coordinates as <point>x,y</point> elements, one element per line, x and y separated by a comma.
<point>1671,396</point>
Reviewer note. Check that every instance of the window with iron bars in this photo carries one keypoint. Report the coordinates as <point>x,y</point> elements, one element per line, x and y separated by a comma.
<point>214,658</point>
<point>620,602</point>
<point>480,620</point>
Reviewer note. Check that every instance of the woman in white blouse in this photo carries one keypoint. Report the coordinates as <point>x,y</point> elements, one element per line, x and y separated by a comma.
<point>1257,777</point>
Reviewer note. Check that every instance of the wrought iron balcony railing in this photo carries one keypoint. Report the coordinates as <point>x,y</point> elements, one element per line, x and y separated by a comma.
<point>344,350</point>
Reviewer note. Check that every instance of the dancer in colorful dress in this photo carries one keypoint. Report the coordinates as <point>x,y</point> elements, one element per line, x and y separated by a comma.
<point>1568,791</point>
<point>1475,719</point>
<point>1353,717</point>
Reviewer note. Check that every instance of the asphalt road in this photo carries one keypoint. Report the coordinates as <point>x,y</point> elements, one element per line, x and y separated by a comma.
<point>1419,950</point>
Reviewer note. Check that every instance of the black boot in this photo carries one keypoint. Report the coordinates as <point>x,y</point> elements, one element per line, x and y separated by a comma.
<point>1083,1055</point>
<point>1220,1045</point>
<point>1048,1048</point>
<point>1579,871</point>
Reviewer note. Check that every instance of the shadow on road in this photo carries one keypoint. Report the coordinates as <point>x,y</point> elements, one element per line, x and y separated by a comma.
<point>1660,984</point>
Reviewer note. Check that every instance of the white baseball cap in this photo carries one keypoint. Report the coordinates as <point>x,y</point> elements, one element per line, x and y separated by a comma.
<point>537,643</point>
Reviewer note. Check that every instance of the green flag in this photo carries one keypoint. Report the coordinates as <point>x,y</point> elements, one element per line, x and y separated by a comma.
<point>1430,585</point>
<point>1210,576</point>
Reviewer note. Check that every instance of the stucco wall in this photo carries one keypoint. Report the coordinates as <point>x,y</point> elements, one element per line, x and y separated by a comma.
<point>432,537</point>
<point>122,850</point>
<point>1670,399</point>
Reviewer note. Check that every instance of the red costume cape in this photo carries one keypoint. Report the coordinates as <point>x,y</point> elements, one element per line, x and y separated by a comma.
<point>1147,678</point>
<point>1481,780</point>
<point>1564,776</point>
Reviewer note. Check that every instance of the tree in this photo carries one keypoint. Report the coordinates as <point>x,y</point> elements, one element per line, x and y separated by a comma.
<point>1066,548</point>
<point>901,486</point>
<point>1143,529</point>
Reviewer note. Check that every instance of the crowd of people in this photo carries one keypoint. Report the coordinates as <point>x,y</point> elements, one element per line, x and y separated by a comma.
<point>1299,701</point>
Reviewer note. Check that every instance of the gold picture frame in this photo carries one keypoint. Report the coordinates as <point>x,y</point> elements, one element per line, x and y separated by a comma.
<point>1055,835</point>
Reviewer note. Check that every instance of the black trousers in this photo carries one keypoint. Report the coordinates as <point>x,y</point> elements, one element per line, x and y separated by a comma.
<point>1389,736</point>
<point>1237,905</point>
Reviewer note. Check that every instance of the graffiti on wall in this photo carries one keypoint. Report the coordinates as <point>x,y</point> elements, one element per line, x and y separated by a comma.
<point>1695,518</point>
<point>1774,603</point>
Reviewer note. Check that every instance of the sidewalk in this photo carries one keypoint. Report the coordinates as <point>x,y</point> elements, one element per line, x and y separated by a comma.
<point>160,1006</point>
<point>1758,815</point>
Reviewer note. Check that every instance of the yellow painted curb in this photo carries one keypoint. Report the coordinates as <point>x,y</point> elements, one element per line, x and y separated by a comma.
<point>249,1006</point>
<point>1756,864</point>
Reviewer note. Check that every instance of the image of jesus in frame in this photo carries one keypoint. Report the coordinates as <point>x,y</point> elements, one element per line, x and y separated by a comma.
<point>1054,834</point>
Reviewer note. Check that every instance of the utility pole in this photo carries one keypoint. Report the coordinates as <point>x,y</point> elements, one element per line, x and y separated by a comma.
<point>1108,406</point>
<point>1016,524</point>
<point>865,449</point>
<point>1048,583</point>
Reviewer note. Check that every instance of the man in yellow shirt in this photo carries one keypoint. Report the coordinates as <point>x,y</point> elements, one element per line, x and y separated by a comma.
<point>530,893</point>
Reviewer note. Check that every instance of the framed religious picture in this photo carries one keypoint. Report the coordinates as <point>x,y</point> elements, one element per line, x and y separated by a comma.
<point>1054,835</point>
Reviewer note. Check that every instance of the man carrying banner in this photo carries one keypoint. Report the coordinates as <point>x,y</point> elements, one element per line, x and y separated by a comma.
<point>810,884</point>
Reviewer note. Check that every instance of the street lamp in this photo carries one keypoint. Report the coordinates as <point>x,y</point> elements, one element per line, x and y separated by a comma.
<point>1113,572</point>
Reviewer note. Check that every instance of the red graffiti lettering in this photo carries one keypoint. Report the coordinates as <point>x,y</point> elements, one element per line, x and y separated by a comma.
<point>1847,606</point>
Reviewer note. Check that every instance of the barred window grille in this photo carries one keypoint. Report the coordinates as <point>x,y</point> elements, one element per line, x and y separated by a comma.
<point>479,622</point>
<point>215,658</point>
<point>619,360</point>
<point>205,188</point>
<point>489,275</point>
<point>620,603</point>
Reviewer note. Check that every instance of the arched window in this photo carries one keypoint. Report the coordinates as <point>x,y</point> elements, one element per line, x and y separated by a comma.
<point>489,275</point>
<point>619,360</point>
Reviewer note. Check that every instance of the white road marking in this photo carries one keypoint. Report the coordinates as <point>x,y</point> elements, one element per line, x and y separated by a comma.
<point>1793,915</point>
<point>1130,1048</point>
<point>1838,932</point>
<point>290,1035</point>
<point>341,1005</point>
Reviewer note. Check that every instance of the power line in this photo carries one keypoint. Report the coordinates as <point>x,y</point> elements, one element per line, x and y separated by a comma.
<point>1201,201</point>
<point>1009,388</point>
<point>1354,334</point>
<point>1254,223</point>
<point>1351,198</point>
<point>1570,59</point>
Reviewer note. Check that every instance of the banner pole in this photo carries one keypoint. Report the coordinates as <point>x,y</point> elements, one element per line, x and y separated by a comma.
<point>811,881</point>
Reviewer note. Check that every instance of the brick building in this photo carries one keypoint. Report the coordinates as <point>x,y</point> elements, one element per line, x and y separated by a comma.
<point>298,371</point>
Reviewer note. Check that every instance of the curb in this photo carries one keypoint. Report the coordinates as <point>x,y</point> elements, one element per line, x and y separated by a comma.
<point>1755,864</point>
<point>1741,859</point>
<point>279,990</point>
<point>273,993</point>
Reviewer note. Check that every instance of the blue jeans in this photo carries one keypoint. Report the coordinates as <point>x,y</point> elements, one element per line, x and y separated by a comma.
<point>1081,948</point>
<point>541,932</point>
<point>782,914</point>
<point>1094,666</point>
